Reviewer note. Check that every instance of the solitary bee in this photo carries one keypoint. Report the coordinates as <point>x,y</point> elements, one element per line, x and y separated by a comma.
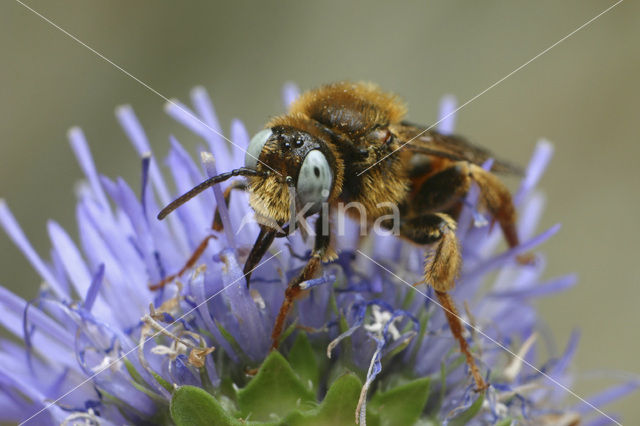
<point>349,143</point>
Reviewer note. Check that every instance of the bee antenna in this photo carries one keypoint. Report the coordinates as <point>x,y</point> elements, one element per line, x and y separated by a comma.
<point>242,171</point>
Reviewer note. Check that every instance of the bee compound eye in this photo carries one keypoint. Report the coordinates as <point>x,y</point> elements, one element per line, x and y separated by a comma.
<point>255,148</point>
<point>314,180</point>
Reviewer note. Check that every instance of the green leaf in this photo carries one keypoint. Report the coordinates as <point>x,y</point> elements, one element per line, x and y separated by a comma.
<point>401,347</point>
<point>139,383</point>
<point>401,405</point>
<point>443,384</point>
<point>337,370</point>
<point>466,416</point>
<point>130,413</point>
<point>275,391</point>
<point>303,361</point>
<point>422,332</point>
<point>341,400</point>
<point>229,338</point>
<point>156,397</point>
<point>287,331</point>
<point>193,406</point>
<point>505,422</point>
<point>162,381</point>
<point>444,370</point>
<point>134,373</point>
<point>338,407</point>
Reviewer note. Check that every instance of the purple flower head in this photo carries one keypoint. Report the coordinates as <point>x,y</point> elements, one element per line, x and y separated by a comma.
<point>100,346</point>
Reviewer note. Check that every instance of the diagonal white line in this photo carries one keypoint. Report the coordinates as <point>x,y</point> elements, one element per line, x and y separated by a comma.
<point>142,343</point>
<point>500,345</point>
<point>494,85</point>
<point>145,85</point>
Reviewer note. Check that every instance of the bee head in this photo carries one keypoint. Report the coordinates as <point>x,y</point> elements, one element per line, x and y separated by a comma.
<point>303,169</point>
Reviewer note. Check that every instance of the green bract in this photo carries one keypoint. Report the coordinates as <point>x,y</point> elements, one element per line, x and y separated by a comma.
<point>284,391</point>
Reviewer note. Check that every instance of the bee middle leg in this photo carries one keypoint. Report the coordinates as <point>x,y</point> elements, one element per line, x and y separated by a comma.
<point>321,251</point>
<point>442,266</point>
<point>202,246</point>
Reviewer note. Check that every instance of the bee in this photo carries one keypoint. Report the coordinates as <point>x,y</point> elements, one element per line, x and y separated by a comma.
<point>349,143</point>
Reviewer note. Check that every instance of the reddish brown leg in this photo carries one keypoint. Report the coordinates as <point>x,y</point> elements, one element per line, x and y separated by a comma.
<point>441,269</point>
<point>293,291</point>
<point>456,328</point>
<point>190,263</point>
<point>290,295</point>
<point>498,200</point>
<point>444,189</point>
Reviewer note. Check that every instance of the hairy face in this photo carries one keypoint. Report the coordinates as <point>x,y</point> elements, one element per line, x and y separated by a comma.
<point>303,169</point>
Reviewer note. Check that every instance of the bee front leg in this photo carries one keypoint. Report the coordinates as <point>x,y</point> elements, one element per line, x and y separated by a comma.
<point>321,252</point>
<point>441,269</point>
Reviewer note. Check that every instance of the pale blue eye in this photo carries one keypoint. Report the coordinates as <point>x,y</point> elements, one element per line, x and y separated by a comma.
<point>255,148</point>
<point>314,180</point>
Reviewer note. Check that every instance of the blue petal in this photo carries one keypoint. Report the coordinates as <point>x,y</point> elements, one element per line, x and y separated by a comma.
<point>92,293</point>
<point>83,154</point>
<point>14,231</point>
<point>500,259</point>
<point>75,266</point>
<point>607,396</point>
<point>181,372</point>
<point>543,289</point>
<point>537,165</point>
<point>604,421</point>
<point>210,166</point>
<point>447,114</point>
<point>290,92</point>
<point>204,106</point>
<point>124,269</point>
<point>13,308</point>
<point>240,137</point>
<point>197,214</point>
<point>138,138</point>
<point>252,330</point>
<point>208,131</point>
<point>198,289</point>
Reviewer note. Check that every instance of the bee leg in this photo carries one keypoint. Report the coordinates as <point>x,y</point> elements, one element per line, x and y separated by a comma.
<point>320,251</point>
<point>216,226</point>
<point>260,247</point>
<point>497,199</point>
<point>445,188</point>
<point>442,267</point>
<point>189,264</point>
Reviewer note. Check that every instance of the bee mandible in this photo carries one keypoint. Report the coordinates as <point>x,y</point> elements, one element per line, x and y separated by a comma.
<point>349,143</point>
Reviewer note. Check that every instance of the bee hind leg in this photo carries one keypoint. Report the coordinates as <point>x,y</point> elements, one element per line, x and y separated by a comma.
<point>442,266</point>
<point>447,187</point>
<point>497,199</point>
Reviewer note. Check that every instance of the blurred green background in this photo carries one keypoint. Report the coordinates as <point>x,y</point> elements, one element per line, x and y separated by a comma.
<point>583,96</point>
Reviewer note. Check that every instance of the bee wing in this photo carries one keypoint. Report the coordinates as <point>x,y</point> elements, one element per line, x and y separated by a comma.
<point>453,147</point>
